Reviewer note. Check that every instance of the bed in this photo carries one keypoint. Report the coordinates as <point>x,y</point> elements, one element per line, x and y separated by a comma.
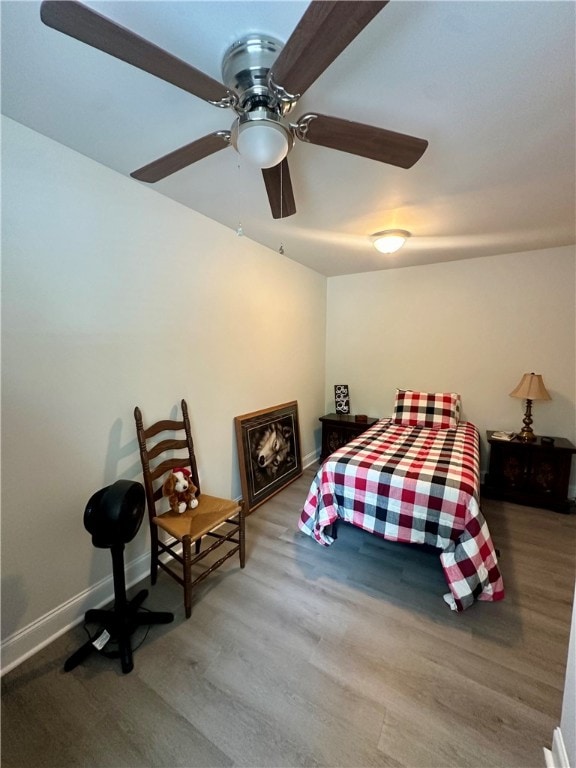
<point>414,478</point>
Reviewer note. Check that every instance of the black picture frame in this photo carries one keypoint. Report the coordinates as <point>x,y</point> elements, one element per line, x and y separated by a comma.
<point>342,398</point>
<point>268,452</point>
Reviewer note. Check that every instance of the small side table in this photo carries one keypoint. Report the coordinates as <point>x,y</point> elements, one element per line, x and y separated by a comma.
<point>339,428</point>
<point>535,474</point>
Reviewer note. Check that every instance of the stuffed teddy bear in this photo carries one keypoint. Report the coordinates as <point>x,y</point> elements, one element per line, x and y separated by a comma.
<point>180,490</point>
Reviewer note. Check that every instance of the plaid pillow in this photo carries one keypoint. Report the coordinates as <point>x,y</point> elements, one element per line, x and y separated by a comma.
<point>437,410</point>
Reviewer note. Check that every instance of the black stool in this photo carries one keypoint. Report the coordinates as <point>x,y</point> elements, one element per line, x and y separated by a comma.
<point>113,516</point>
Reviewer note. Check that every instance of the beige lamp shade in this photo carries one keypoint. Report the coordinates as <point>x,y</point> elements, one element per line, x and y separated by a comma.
<point>531,387</point>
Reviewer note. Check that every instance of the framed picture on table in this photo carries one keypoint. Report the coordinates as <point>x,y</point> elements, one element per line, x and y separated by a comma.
<point>342,398</point>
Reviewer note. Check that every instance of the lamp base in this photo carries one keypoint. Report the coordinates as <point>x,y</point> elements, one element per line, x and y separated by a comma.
<point>526,436</point>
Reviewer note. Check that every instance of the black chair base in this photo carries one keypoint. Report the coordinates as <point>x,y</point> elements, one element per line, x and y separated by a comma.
<point>121,627</point>
<point>121,621</point>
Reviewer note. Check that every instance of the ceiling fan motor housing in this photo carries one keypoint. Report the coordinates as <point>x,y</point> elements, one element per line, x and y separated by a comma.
<point>245,69</point>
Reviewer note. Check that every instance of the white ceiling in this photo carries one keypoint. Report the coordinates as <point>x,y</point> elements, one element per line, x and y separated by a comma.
<point>490,85</point>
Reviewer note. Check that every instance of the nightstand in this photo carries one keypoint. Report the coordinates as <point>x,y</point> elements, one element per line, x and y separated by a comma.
<point>339,428</point>
<point>534,474</point>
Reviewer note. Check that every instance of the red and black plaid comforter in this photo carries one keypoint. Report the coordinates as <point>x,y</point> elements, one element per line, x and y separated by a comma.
<point>414,485</point>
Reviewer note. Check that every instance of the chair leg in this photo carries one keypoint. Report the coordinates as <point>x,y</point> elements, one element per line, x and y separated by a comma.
<point>153,554</point>
<point>241,536</point>
<point>187,574</point>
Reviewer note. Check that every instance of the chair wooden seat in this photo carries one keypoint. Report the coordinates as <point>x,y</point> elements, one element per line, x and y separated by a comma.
<point>197,522</point>
<point>214,523</point>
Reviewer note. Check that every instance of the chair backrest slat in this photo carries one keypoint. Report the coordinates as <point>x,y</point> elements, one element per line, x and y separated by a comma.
<point>166,445</point>
<point>153,473</point>
<point>166,425</point>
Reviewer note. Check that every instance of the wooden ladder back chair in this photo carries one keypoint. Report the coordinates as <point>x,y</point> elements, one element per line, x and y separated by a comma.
<point>213,523</point>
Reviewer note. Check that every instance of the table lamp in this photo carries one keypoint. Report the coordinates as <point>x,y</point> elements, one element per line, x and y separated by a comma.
<point>531,387</point>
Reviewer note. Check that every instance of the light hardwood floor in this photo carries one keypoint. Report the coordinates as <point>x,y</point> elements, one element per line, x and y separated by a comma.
<point>312,656</point>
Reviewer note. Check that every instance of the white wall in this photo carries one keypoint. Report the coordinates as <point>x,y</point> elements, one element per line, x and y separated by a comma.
<point>472,326</point>
<point>114,296</point>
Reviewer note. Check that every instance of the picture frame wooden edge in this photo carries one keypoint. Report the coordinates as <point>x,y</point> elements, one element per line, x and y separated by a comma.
<point>264,411</point>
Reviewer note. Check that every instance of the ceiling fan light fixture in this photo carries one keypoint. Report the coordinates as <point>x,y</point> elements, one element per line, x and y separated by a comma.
<point>262,137</point>
<point>389,240</point>
<point>262,145</point>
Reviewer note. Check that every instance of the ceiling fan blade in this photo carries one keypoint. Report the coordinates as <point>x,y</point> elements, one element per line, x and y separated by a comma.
<point>323,32</point>
<point>360,139</point>
<point>183,157</point>
<point>78,21</point>
<point>279,189</point>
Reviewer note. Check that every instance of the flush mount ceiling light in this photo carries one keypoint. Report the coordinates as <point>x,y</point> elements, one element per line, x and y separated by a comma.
<point>390,240</point>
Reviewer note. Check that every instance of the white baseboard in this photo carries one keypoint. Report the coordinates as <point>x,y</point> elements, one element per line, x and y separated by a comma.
<point>26,642</point>
<point>310,458</point>
<point>557,757</point>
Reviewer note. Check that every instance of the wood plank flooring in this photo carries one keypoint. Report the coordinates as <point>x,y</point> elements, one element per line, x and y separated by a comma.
<point>312,656</point>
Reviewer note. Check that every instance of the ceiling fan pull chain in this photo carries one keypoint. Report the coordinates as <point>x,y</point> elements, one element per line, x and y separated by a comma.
<point>239,228</point>
<point>281,249</point>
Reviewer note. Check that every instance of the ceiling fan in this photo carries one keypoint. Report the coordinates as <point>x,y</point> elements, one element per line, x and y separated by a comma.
<point>262,82</point>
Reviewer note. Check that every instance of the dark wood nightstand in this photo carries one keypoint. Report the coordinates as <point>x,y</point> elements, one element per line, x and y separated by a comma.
<point>535,474</point>
<point>339,428</point>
